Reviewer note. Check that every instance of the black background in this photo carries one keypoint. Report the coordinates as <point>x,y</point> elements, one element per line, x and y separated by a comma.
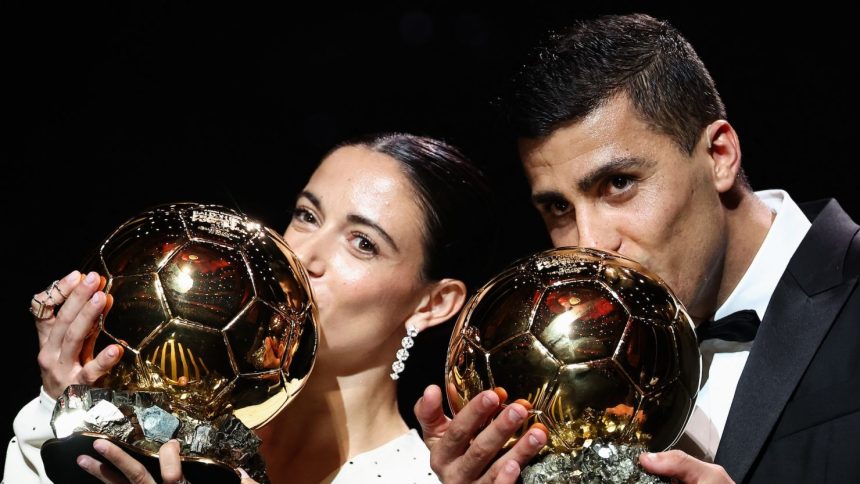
<point>109,110</point>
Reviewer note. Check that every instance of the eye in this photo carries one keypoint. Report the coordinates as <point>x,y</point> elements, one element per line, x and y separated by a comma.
<point>305,216</point>
<point>619,184</point>
<point>363,244</point>
<point>558,208</point>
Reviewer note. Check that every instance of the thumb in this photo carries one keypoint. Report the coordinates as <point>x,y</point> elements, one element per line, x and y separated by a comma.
<point>428,411</point>
<point>681,466</point>
<point>102,364</point>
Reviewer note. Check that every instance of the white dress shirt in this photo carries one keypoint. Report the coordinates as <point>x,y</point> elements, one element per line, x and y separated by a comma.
<point>723,361</point>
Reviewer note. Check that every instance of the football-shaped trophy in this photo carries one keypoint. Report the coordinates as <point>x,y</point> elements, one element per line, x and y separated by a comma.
<point>601,349</point>
<point>218,325</point>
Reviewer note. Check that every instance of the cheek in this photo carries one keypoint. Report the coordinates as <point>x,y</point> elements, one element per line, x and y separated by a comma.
<point>563,236</point>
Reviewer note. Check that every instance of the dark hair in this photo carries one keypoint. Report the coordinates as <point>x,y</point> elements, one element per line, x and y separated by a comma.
<point>648,60</point>
<point>456,200</point>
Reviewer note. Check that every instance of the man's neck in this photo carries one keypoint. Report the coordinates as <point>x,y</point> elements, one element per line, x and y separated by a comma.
<point>747,225</point>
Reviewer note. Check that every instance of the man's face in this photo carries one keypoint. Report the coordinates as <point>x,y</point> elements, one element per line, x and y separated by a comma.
<point>613,183</point>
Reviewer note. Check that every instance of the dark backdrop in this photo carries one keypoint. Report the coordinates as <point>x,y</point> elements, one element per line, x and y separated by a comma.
<point>108,110</point>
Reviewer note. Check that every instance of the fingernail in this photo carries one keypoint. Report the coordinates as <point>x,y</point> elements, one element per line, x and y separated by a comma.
<point>649,456</point>
<point>83,462</point>
<point>516,414</point>
<point>243,474</point>
<point>536,438</point>
<point>100,446</point>
<point>510,467</point>
<point>97,299</point>
<point>91,279</point>
<point>72,277</point>
<point>490,400</point>
<point>112,351</point>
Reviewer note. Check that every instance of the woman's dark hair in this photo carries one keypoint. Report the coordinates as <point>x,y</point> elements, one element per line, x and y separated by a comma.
<point>455,198</point>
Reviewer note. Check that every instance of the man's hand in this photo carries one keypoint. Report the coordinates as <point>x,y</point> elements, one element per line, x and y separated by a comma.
<point>681,466</point>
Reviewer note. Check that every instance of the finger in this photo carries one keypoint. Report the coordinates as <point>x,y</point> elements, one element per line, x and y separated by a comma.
<point>527,447</point>
<point>130,467</point>
<point>486,446</point>
<point>68,311</point>
<point>428,411</point>
<point>463,428</point>
<point>90,341</point>
<point>81,327</point>
<point>170,462</point>
<point>101,365</point>
<point>508,473</point>
<point>246,479</point>
<point>57,292</point>
<point>100,470</point>
<point>62,289</point>
<point>680,465</point>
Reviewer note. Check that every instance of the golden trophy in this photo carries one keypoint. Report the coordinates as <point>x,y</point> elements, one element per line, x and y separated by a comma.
<point>601,349</point>
<point>218,325</point>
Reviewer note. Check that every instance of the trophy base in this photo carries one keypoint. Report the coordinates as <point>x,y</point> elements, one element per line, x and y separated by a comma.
<point>60,460</point>
<point>598,463</point>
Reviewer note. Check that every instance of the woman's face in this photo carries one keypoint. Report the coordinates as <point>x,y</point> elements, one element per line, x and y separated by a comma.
<point>358,231</point>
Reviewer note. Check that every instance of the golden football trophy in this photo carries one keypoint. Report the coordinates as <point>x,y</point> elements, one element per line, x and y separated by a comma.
<point>601,349</point>
<point>218,325</point>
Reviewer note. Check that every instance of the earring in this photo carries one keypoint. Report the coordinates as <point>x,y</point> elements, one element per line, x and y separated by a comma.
<point>407,342</point>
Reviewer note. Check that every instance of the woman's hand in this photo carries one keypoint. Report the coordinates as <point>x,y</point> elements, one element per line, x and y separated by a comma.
<point>132,471</point>
<point>67,316</point>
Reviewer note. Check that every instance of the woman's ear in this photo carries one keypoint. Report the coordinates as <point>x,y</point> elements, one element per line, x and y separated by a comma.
<point>440,303</point>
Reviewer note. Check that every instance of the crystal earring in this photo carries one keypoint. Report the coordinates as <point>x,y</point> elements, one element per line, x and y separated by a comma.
<point>407,342</point>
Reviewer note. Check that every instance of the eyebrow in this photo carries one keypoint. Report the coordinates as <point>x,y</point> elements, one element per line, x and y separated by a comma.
<point>613,166</point>
<point>587,182</point>
<point>353,218</point>
<point>311,198</point>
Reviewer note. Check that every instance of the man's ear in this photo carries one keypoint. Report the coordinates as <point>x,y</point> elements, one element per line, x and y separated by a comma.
<point>441,302</point>
<point>724,149</point>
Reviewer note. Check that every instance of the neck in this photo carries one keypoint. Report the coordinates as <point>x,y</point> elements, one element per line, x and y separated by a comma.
<point>334,418</point>
<point>747,224</point>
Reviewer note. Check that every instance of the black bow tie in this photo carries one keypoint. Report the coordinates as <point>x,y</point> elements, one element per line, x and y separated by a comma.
<point>738,326</point>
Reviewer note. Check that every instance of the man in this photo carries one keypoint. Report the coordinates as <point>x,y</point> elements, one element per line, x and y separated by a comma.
<point>625,145</point>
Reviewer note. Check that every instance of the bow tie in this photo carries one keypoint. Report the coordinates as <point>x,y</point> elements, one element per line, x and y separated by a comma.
<point>737,326</point>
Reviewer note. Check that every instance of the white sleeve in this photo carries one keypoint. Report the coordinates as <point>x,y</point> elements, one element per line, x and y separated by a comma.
<point>32,427</point>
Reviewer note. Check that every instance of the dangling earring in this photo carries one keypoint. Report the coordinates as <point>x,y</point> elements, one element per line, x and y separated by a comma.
<point>407,342</point>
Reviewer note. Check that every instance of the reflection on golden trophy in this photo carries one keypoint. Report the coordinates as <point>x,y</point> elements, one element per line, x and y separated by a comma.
<point>217,320</point>
<point>601,349</point>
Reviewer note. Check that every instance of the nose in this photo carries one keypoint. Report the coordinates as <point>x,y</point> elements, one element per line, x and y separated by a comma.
<point>597,232</point>
<point>309,248</point>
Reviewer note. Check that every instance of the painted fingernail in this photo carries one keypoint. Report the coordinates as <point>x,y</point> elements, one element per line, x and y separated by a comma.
<point>516,414</point>
<point>490,400</point>
<point>72,277</point>
<point>91,279</point>
<point>97,299</point>
<point>100,446</point>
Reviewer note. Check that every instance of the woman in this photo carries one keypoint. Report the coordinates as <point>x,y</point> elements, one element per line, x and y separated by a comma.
<point>385,227</point>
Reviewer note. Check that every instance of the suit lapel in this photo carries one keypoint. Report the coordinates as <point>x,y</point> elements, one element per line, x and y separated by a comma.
<point>806,301</point>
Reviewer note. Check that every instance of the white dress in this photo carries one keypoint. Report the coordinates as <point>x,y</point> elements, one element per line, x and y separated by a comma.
<point>404,460</point>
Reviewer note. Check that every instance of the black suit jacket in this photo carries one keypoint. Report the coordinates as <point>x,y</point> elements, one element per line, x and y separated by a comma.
<point>795,416</point>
